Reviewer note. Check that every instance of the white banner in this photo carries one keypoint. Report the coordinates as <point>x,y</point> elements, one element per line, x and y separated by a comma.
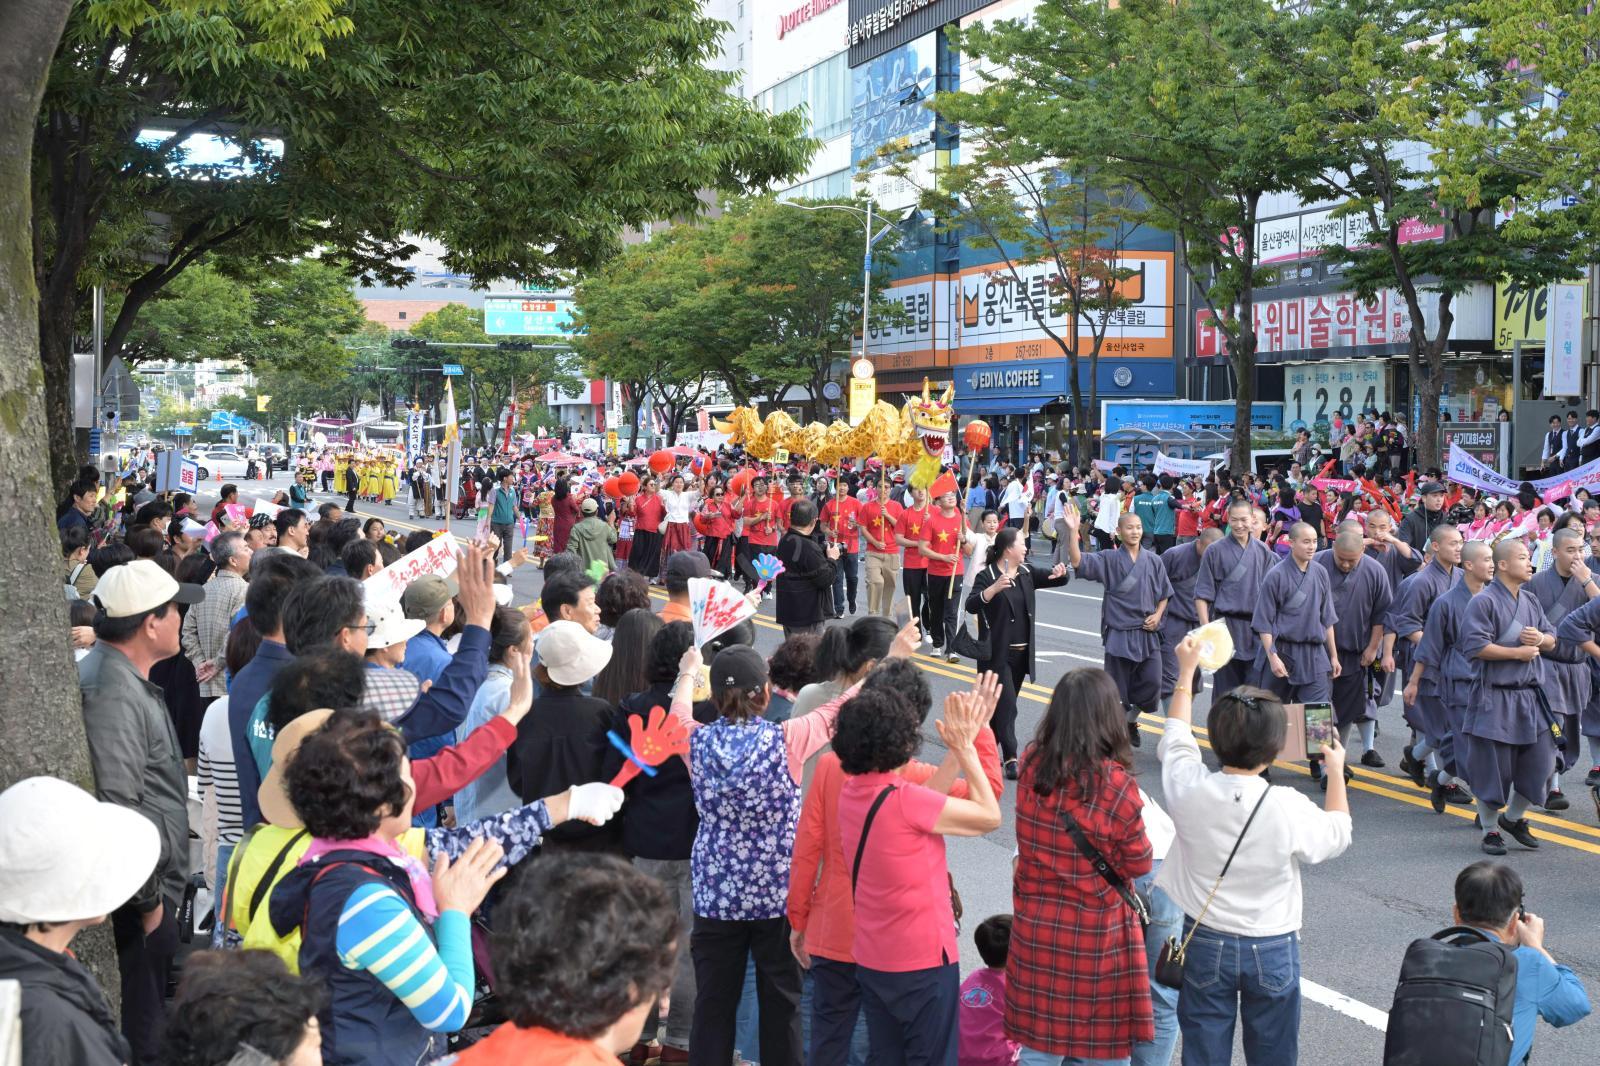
<point>414,421</point>
<point>266,507</point>
<point>1563,364</point>
<point>1165,464</point>
<point>1463,469</point>
<point>438,556</point>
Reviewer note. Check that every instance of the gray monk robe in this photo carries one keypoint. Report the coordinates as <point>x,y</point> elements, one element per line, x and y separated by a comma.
<point>1360,600</point>
<point>1295,609</point>
<point>1230,581</point>
<point>1507,738</point>
<point>1134,589</point>
<point>1567,677</point>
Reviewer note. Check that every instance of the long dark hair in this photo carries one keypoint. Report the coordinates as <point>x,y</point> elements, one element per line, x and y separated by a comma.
<point>845,649</point>
<point>629,669</point>
<point>1082,728</point>
<point>562,489</point>
<point>1003,540</point>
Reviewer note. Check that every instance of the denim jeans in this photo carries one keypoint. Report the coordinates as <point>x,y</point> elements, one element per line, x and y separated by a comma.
<point>747,1027</point>
<point>1228,977</point>
<point>1166,920</point>
<point>848,571</point>
<point>1033,1057</point>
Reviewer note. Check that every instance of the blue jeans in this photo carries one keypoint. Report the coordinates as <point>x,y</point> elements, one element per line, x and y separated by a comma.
<point>747,1024</point>
<point>848,570</point>
<point>1256,979</point>
<point>1033,1057</point>
<point>1166,919</point>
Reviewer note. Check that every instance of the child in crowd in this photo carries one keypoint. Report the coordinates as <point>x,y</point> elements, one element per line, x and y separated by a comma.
<point>983,1000</point>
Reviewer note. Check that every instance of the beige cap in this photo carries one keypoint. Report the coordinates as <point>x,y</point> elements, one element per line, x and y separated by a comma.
<point>140,586</point>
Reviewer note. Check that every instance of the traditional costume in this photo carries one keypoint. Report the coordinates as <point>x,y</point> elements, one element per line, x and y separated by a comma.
<point>1568,680</point>
<point>1506,732</point>
<point>1361,599</point>
<point>1135,588</point>
<point>1295,608</point>
<point>1229,584</point>
<point>1182,564</point>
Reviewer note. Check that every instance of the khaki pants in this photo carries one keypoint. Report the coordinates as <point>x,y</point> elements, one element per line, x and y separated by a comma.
<point>883,579</point>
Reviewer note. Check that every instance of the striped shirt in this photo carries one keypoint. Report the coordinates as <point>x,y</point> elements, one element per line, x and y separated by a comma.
<point>217,772</point>
<point>379,933</point>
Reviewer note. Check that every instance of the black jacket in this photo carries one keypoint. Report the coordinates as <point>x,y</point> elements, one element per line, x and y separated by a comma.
<point>995,621</point>
<point>560,743</point>
<point>65,1017</point>
<point>806,583</point>
<point>659,820</point>
<point>1418,525</point>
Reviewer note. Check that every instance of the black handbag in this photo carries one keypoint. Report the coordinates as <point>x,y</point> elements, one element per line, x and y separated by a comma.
<point>966,646</point>
<point>1138,901</point>
<point>1169,966</point>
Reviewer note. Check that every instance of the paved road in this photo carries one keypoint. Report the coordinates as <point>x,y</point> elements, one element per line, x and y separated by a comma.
<point>1361,910</point>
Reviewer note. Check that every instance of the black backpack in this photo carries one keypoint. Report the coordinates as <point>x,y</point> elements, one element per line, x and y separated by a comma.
<point>1453,1004</point>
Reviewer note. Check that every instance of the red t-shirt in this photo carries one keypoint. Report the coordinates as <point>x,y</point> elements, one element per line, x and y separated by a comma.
<point>783,508</point>
<point>716,519</point>
<point>760,520</point>
<point>910,527</point>
<point>1188,520</point>
<point>943,534</point>
<point>649,511</point>
<point>881,528</point>
<point>842,518</point>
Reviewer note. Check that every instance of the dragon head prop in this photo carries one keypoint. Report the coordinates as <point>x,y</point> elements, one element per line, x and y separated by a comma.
<point>929,418</point>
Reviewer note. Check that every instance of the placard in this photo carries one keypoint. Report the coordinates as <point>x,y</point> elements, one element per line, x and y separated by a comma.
<point>438,556</point>
<point>189,477</point>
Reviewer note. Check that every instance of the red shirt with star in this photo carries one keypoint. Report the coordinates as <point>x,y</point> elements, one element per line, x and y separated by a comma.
<point>842,518</point>
<point>761,520</point>
<point>910,527</point>
<point>879,522</point>
<point>943,534</point>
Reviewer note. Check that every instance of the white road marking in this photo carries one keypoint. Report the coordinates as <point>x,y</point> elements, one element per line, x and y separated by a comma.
<point>1074,595</point>
<point>1350,1008</point>
<point>1067,629</point>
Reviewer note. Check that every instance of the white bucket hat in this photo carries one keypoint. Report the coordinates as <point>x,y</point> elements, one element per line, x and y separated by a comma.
<point>65,856</point>
<point>390,624</point>
<point>570,654</point>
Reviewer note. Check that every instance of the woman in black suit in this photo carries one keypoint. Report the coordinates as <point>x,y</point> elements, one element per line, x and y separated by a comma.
<point>1003,599</point>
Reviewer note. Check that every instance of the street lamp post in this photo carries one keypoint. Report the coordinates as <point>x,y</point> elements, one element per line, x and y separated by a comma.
<point>866,259</point>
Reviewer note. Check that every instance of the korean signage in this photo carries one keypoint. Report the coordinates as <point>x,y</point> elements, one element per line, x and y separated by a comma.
<point>1563,366</point>
<point>1311,323</point>
<point>1485,442</point>
<point>414,422</point>
<point>924,305</point>
<point>527,316</point>
<point>807,11</point>
<point>888,95</point>
<point>1302,235</point>
<point>1184,415</point>
<point>875,26</point>
<point>998,319</point>
<point>438,556</point>
<point>1315,392</point>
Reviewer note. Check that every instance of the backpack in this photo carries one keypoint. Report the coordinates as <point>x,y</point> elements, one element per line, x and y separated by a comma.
<point>1453,1004</point>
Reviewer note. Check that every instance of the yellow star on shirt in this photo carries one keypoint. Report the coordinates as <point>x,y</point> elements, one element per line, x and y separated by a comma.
<point>915,530</point>
<point>943,536</point>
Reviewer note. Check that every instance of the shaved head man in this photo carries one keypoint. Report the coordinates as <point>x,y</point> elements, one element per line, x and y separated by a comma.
<point>1362,597</point>
<point>1293,622</point>
<point>1182,564</point>
<point>1228,587</point>
<point>1561,589</point>
<point>1424,716</point>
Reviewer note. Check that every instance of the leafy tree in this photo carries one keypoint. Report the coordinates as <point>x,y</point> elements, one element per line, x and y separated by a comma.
<point>524,139</point>
<point>1368,83</point>
<point>202,315</point>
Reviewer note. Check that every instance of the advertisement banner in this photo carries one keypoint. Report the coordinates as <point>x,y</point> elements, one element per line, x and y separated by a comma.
<point>1563,362</point>
<point>1520,314</point>
<point>1465,469</point>
<point>1315,392</point>
<point>1165,464</point>
<point>1483,441</point>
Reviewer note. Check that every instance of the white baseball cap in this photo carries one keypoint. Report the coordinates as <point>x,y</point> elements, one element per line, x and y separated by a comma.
<point>65,856</point>
<point>390,624</point>
<point>570,654</point>
<point>140,586</point>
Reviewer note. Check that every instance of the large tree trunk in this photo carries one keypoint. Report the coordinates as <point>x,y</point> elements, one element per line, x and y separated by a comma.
<point>52,340</point>
<point>41,716</point>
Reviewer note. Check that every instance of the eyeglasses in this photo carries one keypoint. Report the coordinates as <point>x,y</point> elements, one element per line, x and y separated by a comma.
<point>369,627</point>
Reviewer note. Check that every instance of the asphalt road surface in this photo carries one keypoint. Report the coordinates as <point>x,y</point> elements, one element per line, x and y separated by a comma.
<point>1392,886</point>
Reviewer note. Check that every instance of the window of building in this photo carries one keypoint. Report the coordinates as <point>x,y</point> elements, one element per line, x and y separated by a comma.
<point>402,314</point>
<point>835,186</point>
<point>741,53</point>
<point>824,92</point>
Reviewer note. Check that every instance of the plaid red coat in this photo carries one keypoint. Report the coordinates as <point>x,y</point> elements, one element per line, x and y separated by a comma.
<point>1077,982</point>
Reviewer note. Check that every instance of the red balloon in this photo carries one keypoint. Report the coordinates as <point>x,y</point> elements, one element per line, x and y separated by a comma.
<point>612,488</point>
<point>628,483</point>
<point>701,465</point>
<point>977,435</point>
<point>740,481</point>
<point>662,461</point>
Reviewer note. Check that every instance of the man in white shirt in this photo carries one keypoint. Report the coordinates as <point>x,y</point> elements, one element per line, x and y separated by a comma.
<point>1554,448</point>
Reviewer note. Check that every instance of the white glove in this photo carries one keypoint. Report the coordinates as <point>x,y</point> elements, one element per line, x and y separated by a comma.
<point>595,802</point>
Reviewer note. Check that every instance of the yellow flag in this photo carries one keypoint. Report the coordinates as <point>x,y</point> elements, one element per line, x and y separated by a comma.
<point>451,430</point>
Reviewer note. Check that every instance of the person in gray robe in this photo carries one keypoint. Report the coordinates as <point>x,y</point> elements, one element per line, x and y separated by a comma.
<point>1293,622</point>
<point>1562,588</point>
<point>1579,632</point>
<point>1397,558</point>
<point>1131,609</point>
<point>1361,596</point>
<point>1452,676</point>
<point>1228,586</point>
<point>1183,567</point>
<point>1510,751</point>
<point>1423,712</point>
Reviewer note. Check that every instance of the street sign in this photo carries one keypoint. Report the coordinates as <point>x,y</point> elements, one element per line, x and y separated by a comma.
<point>830,390</point>
<point>452,370</point>
<point>262,402</point>
<point>527,316</point>
<point>863,394</point>
<point>611,441</point>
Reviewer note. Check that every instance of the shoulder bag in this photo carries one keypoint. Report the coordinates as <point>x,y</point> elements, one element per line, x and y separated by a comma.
<point>861,849</point>
<point>1138,901</point>
<point>1169,967</point>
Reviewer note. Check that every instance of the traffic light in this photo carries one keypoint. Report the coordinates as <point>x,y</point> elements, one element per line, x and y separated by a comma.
<point>515,346</point>
<point>408,342</point>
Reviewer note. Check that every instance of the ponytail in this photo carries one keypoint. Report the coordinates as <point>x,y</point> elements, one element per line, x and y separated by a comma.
<point>845,649</point>
<point>1003,540</point>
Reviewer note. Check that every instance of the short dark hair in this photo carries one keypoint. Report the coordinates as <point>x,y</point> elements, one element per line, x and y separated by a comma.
<point>81,486</point>
<point>666,649</point>
<point>904,679</point>
<point>322,677</point>
<point>151,511</point>
<point>845,648</point>
<point>1247,727</point>
<point>415,539</point>
<point>229,1000</point>
<point>366,527</point>
<point>802,512</point>
<point>145,542</point>
<point>1488,895</point>
<point>73,538</point>
<point>619,593</point>
<point>993,937</point>
<point>326,509</point>
<point>357,556</point>
<point>345,777</point>
<point>117,630</point>
<point>230,489</point>
<point>106,556</point>
<point>315,612</point>
<point>508,627</point>
<point>581,940</point>
<point>561,563</point>
<point>241,646</point>
<point>341,533</point>
<point>287,519</point>
<point>562,591</point>
<point>876,732</point>
<point>272,576</point>
<point>793,666</point>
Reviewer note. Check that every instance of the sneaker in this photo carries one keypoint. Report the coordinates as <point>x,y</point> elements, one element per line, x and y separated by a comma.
<point>1492,844</point>
<point>1415,769</point>
<point>1556,801</point>
<point>1454,793</point>
<point>1593,778</point>
<point>938,651</point>
<point>1011,769</point>
<point>1436,796</point>
<point>952,657</point>
<point>1134,737</point>
<point>1372,759</point>
<point>1519,831</point>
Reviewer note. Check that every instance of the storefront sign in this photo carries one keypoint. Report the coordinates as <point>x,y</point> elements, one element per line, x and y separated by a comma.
<point>1563,364</point>
<point>1315,392</point>
<point>1520,314</point>
<point>1184,415</point>
<point>1482,442</point>
<point>803,14</point>
<point>879,25</point>
<point>863,394</point>
<point>1328,322</point>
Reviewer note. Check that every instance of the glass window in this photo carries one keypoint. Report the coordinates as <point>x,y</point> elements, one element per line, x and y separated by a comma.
<point>823,90</point>
<point>835,186</point>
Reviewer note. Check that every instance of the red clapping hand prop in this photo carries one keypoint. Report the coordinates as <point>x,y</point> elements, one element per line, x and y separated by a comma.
<point>653,744</point>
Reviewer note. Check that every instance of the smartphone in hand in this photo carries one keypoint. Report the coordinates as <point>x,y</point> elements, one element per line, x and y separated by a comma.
<point>1319,726</point>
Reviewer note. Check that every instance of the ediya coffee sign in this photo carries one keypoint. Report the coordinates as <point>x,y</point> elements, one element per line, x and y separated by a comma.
<point>804,13</point>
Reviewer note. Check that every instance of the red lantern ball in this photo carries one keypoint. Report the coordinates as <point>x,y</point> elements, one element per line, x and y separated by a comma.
<point>701,465</point>
<point>662,461</point>
<point>612,488</point>
<point>739,482</point>
<point>976,435</point>
<point>628,483</point>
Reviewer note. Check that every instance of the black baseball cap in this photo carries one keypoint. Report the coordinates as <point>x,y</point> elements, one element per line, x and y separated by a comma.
<point>738,669</point>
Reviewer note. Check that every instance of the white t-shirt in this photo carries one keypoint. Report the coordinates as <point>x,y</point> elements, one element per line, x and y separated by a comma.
<point>679,505</point>
<point>1261,894</point>
<point>980,542</point>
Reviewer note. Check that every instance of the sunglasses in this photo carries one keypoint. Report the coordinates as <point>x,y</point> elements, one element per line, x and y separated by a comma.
<point>369,627</point>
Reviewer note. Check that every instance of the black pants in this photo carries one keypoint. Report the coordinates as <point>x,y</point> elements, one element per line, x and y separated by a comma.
<point>1237,672</point>
<point>146,963</point>
<point>835,1005</point>
<point>717,554</point>
<point>327,481</point>
<point>1102,539</point>
<point>507,534</point>
<point>911,1017</point>
<point>915,582</point>
<point>1138,683</point>
<point>1163,541</point>
<point>943,608</point>
<point>1011,666</point>
<point>720,950</point>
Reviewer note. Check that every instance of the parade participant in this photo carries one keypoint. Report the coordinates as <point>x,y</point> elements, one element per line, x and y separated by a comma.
<point>679,502</point>
<point>1439,657</point>
<point>1411,611</point>
<point>1421,522</point>
<point>714,520</point>
<point>649,512</point>
<point>1361,597</point>
<point>914,568</point>
<point>1397,558</point>
<point>940,545</point>
<point>593,538</point>
<point>1183,568</point>
<point>879,518</point>
<point>841,518</point>
<point>1228,586</point>
<point>1509,750</point>
<point>1580,631</point>
<point>796,485</point>
<point>1003,599</point>
<point>1562,589</point>
<point>1156,509</point>
<point>1294,620</point>
<point>1132,607</point>
<point>757,508</point>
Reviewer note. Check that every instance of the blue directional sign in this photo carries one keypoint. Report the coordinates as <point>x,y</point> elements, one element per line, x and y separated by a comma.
<point>452,370</point>
<point>225,420</point>
<point>528,315</point>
